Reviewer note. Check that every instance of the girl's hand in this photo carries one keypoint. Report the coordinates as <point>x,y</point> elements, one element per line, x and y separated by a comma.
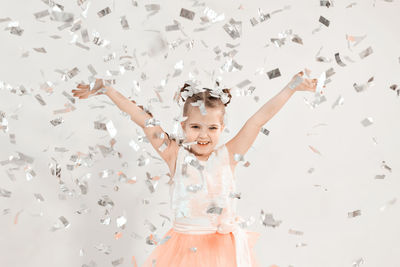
<point>84,89</point>
<point>298,83</point>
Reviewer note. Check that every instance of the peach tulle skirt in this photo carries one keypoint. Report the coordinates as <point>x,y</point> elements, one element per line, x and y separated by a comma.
<point>212,250</point>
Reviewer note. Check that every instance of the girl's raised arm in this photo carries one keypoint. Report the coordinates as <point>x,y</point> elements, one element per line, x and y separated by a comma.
<point>162,143</point>
<point>243,140</point>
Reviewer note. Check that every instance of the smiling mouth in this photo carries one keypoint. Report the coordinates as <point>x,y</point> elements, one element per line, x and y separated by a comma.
<point>202,143</point>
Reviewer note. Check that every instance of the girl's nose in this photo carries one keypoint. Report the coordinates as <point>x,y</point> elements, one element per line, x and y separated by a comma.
<point>203,133</point>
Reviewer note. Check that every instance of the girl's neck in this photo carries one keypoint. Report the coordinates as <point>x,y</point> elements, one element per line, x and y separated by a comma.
<point>200,157</point>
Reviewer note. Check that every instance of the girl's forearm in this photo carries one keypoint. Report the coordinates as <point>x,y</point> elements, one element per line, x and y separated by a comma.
<point>137,114</point>
<point>269,109</point>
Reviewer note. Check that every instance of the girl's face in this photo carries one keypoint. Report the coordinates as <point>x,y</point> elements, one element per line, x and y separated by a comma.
<point>203,128</point>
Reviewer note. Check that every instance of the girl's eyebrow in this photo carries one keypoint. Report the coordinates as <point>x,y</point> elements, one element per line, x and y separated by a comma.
<point>193,123</point>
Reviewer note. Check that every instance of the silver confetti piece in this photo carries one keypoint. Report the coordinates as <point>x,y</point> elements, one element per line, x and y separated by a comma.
<point>268,220</point>
<point>163,146</point>
<point>324,21</point>
<point>273,73</point>
<point>295,232</point>
<point>72,73</point>
<point>281,9</point>
<point>117,262</point>
<point>363,54</point>
<point>57,121</point>
<point>104,12</point>
<point>12,138</point>
<point>40,99</point>
<point>278,42</point>
<point>316,29</point>
<point>200,104</point>
<point>92,70</point>
<point>238,157</point>
<point>103,248</point>
<point>339,61</point>
<point>152,7</point>
<point>367,122</point>
<point>194,188</point>
<point>354,40</point>
<point>234,28</point>
<point>264,131</point>
<point>70,98</point>
<point>357,262</point>
<point>262,16</point>
<point>64,221</point>
<point>40,50</point>
<point>76,26</point>
<point>150,186</point>
<point>106,202</point>
<point>363,87</point>
<point>339,101</point>
<point>85,35</point>
<point>38,197</point>
<point>297,39</point>
<point>4,192</point>
<point>326,3</point>
<point>5,19</point>
<point>80,2</point>
<point>121,221</point>
<point>389,203</point>
<point>187,14</point>
<point>244,83</point>
<point>109,57</point>
<point>320,83</point>
<point>83,210</point>
<point>385,166</point>
<point>6,211</point>
<point>152,227</point>
<point>212,16</point>
<point>231,65</point>
<point>124,23</point>
<point>234,195</point>
<point>193,249</point>
<point>214,210</point>
<point>353,214</point>
<point>99,126</point>
<point>41,14</point>
<point>151,122</point>
<point>323,59</point>
<point>253,21</point>
<point>105,221</point>
<point>61,16</point>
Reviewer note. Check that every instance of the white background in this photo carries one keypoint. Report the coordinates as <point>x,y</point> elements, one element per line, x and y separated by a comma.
<point>277,180</point>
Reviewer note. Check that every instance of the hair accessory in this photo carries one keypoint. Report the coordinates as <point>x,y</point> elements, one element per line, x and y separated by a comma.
<point>189,90</point>
<point>217,91</point>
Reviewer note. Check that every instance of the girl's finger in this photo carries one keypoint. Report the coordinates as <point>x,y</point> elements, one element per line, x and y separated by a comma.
<point>82,86</point>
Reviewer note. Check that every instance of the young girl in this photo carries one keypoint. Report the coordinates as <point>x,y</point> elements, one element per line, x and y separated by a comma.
<point>206,230</point>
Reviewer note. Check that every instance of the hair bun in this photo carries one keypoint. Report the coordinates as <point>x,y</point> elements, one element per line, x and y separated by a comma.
<point>183,89</point>
<point>228,92</point>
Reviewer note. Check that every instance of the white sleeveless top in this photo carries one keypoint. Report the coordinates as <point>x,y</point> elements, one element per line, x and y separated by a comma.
<point>203,198</point>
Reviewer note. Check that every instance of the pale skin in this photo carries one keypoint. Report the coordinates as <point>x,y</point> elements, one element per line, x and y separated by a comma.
<point>199,127</point>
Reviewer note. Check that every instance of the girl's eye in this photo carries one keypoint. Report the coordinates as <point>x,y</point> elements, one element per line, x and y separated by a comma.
<point>195,126</point>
